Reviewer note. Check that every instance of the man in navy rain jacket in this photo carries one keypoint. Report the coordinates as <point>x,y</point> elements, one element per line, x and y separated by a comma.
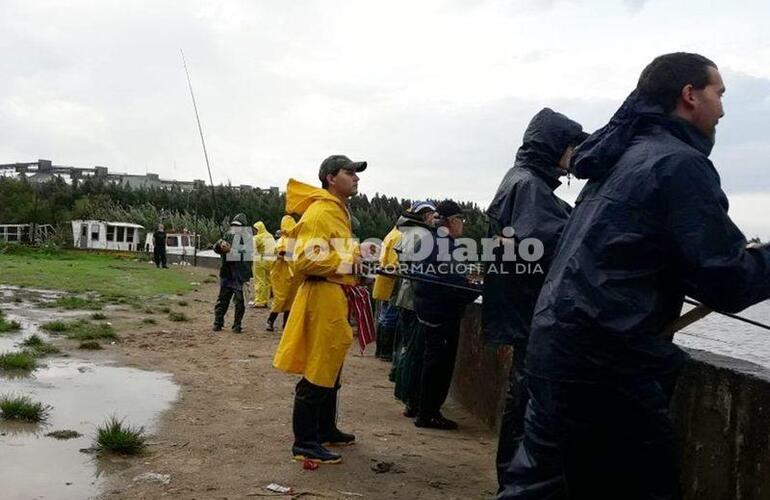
<point>440,303</point>
<point>650,227</point>
<point>526,204</point>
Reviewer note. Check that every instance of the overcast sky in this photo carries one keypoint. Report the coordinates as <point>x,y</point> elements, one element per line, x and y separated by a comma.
<point>435,95</point>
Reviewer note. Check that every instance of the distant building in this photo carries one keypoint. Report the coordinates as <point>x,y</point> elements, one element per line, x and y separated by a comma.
<point>43,171</point>
<point>103,235</point>
<point>22,233</point>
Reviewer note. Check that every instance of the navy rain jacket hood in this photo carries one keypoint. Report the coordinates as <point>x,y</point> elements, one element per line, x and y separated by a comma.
<point>650,227</point>
<point>525,201</point>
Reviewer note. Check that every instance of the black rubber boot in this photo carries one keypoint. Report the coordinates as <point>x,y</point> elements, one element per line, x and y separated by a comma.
<point>270,327</point>
<point>328,433</point>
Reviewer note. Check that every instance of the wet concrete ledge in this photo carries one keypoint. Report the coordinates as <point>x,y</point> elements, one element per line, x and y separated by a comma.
<point>721,411</point>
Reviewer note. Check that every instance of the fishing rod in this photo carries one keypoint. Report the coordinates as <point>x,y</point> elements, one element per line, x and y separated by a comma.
<point>203,143</point>
<point>688,318</point>
<point>729,315</point>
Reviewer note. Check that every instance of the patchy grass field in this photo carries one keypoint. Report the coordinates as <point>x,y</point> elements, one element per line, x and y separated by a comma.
<point>76,271</point>
<point>81,329</point>
<point>39,346</point>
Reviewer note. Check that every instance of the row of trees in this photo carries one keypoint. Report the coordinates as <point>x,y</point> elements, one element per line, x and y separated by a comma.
<point>57,202</point>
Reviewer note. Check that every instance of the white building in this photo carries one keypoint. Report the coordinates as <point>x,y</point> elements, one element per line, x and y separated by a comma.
<point>102,235</point>
<point>176,243</point>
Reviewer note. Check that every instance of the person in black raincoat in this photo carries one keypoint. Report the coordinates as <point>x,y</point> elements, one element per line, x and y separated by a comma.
<point>236,252</point>
<point>159,247</point>
<point>649,227</point>
<point>525,203</point>
<point>439,310</point>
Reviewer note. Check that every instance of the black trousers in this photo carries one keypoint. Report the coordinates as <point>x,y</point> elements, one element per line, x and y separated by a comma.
<point>512,420</point>
<point>227,294</point>
<point>407,359</point>
<point>437,366</point>
<point>159,256</point>
<point>385,342</point>
<point>590,441</point>
<point>315,412</point>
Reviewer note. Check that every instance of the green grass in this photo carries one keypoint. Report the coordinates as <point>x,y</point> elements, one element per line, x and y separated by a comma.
<point>9,326</point>
<point>149,321</point>
<point>116,437</point>
<point>90,345</point>
<point>98,316</point>
<point>81,329</point>
<point>148,310</point>
<point>106,274</point>
<point>20,360</point>
<point>39,346</point>
<point>78,303</point>
<point>56,326</point>
<point>178,316</point>
<point>22,408</point>
<point>165,310</point>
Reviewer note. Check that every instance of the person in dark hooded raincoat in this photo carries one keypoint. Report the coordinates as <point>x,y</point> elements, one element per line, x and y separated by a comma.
<point>649,227</point>
<point>525,202</point>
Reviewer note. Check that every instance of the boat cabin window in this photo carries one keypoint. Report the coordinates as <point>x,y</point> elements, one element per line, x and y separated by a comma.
<point>95,232</point>
<point>172,241</point>
<point>121,233</point>
<point>110,233</point>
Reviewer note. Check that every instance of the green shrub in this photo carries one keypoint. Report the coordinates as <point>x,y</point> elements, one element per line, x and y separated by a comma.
<point>98,316</point>
<point>39,346</point>
<point>23,408</point>
<point>56,326</point>
<point>19,360</point>
<point>9,326</point>
<point>117,437</point>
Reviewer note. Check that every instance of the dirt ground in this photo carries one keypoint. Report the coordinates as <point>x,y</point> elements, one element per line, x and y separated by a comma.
<point>229,434</point>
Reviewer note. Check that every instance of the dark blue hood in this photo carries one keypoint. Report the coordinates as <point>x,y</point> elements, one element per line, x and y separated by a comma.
<point>547,136</point>
<point>598,154</point>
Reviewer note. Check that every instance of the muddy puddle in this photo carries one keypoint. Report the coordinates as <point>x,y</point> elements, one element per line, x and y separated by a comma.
<point>82,393</point>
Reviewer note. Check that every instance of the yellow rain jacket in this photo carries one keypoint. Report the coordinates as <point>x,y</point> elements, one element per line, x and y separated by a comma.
<point>383,285</point>
<point>264,252</point>
<point>317,335</point>
<point>282,277</point>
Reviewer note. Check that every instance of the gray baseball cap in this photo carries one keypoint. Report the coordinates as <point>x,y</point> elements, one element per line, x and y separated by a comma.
<point>334,163</point>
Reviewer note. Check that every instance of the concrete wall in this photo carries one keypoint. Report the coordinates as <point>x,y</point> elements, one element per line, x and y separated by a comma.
<point>721,410</point>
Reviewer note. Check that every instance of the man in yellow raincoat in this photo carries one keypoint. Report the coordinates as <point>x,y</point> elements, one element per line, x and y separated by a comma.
<point>264,248</point>
<point>282,278</point>
<point>317,335</point>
